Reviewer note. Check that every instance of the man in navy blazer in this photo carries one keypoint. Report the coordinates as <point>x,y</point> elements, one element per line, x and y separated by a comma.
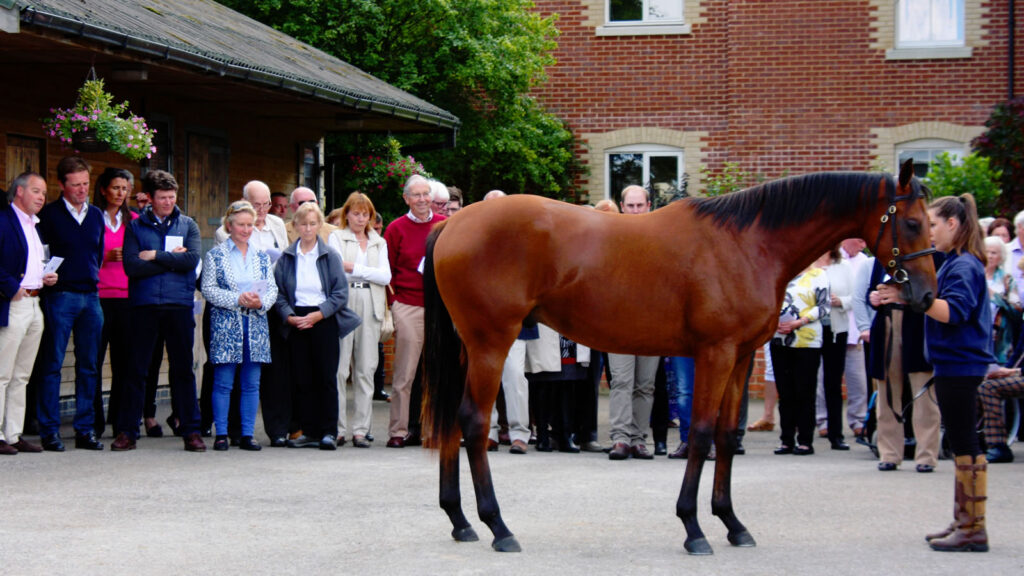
<point>21,317</point>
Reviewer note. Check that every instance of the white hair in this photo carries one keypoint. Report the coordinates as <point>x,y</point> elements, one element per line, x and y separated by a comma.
<point>1004,250</point>
<point>438,191</point>
<point>1018,219</point>
<point>412,181</point>
<point>249,186</point>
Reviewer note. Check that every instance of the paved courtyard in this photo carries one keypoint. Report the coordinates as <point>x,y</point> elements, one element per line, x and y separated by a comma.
<point>160,510</point>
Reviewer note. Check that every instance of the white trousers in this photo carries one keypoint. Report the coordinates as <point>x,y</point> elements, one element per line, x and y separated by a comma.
<point>359,358</point>
<point>19,342</point>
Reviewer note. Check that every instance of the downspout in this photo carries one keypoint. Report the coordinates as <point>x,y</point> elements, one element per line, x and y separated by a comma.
<point>1011,60</point>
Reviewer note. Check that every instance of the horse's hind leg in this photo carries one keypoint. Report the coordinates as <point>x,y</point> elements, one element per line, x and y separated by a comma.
<point>726,438</point>
<point>474,416</point>
<point>451,497</point>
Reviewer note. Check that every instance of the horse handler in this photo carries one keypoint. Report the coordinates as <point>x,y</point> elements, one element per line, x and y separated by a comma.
<point>958,334</point>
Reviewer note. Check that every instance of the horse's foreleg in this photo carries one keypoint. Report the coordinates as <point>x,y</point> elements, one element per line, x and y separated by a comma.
<point>451,497</point>
<point>726,439</point>
<point>475,420</point>
<point>686,505</point>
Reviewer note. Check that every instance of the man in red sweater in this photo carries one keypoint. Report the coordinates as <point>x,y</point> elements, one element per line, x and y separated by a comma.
<point>407,247</point>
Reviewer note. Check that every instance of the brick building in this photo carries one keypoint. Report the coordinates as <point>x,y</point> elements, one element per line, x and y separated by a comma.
<point>657,88</point>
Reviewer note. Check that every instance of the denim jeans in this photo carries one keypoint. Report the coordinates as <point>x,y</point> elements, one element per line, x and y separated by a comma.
<point>66,313</point>
<point>679,371</point>
<point>223,381</point>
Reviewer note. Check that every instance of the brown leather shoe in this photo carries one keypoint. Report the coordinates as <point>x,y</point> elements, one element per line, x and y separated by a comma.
<point>518,447</point>
<point>492,446</point>
<point>620,451</point>
<point>122,443</point>
<point>194,443</point>
<point>680,452</point>
<point>396,442</point>
<point>23,445</point>
<point>640,452</point>
<point>7,450</point>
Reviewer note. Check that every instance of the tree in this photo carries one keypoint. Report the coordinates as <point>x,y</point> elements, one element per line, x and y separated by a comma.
<point>952,176</point>
<point>478,59</point>
<point>1003,144</point>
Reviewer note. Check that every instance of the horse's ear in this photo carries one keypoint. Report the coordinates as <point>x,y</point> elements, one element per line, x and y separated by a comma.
<point>906,173</point>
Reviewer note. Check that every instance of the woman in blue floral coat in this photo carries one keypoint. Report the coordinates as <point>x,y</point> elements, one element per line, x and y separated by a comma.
<point>238,283</point>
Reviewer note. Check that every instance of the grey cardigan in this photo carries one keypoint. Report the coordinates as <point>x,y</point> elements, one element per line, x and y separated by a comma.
<point>333,280</point>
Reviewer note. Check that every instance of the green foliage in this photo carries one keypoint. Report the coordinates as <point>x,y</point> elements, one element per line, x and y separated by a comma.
<point>952,176</point>
<point>381,175</point>
<point>114,124</point>
<point>1003,144</point>
<point>478,59</point>
<point>731,178</point>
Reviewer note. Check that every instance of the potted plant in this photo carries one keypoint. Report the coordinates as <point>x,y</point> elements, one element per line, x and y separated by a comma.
<point>96,124</point>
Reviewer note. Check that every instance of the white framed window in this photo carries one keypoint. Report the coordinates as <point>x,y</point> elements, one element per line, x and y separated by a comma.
<point>929,23</point>
<point>643,17</point>
<point>653,166</point>
<point>924,152</point>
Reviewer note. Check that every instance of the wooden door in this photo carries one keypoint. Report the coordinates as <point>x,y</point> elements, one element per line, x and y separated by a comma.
<point>23,155</point>
<point>207,183</point>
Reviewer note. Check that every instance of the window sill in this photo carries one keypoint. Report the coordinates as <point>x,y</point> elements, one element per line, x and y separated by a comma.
<point>643,29</point>
<point>938,53</point>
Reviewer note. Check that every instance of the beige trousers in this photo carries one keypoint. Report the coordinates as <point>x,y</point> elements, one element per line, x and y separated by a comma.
<point>926,418</point>
<point>359,358</point>
<point>19,342</point>
<point>408,347</point>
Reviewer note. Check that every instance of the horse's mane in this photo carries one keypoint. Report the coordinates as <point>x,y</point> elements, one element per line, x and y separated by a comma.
<point>794,200</point>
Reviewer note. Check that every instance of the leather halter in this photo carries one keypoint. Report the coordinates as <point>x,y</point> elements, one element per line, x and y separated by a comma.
<point>895,264</point>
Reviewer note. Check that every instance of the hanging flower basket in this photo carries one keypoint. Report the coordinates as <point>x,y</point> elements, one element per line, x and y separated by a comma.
<point>95,124</point>
<point>88,141</point>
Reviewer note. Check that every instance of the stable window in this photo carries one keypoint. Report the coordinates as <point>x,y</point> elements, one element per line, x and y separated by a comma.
<point>924,152</point>
<point>655,167</point>
<point>929,23</point>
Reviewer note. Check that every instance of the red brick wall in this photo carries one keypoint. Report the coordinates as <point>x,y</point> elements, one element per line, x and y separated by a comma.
<point>782,87</point>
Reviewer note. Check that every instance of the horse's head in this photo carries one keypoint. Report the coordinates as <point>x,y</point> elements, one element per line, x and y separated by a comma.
<point>903,243</point>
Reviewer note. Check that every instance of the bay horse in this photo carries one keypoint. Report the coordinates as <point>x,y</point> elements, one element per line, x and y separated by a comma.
<point>702,277</point>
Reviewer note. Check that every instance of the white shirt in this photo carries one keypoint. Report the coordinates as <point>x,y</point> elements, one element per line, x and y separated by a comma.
<point>856,261</point>
<point>113,226</point>
<point>78,215</point>
<point>263,239</point>
<point>308,289</point>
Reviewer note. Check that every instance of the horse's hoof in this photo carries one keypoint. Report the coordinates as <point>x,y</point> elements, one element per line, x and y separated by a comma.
<point>698,547</point>
<point>506,544</point>
<point>742,539</point>
<point>466,534</point>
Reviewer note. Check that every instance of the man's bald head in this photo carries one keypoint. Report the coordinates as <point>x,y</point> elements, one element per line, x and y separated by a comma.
<point>494,194</point>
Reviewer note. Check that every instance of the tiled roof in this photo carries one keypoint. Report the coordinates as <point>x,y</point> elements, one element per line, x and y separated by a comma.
<point>214,39</point>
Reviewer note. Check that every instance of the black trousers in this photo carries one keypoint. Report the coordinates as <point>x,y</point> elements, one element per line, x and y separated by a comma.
<point>833,359</point>
<point>117,334</point>
<point>659,410</point>
<point>313,357</point>
<point>958,404</point>
<point>586,397</point>
<point>176,325</point>
<point>796,378</point>
<point>275,389</point>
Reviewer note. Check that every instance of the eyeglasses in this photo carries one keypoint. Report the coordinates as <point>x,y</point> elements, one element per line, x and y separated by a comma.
<point>261,205</point>
<point>306,202</point>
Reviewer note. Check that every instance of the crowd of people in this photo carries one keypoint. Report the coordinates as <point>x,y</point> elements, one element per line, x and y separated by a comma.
<point>295,312</point>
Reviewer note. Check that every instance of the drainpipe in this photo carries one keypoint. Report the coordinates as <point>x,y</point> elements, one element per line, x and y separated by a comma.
<point>1010,61</point>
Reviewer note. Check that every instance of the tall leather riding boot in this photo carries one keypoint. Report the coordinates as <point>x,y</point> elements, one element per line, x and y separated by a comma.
<point>969,533</point>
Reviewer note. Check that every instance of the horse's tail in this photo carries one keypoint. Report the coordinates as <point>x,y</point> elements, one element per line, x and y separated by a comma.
<point>442,350</point>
